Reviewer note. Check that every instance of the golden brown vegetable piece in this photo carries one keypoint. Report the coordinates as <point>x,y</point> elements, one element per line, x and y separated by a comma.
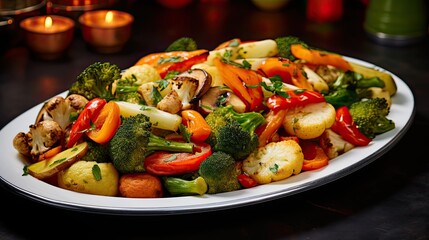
<point>51,166</point>
<point>140,185</point>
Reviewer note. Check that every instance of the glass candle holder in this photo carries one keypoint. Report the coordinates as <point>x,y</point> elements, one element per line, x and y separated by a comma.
<point>48,37</point>
<point>106,31</point>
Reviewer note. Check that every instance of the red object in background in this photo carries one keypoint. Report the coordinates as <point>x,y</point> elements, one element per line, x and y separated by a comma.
<point>324,10</point>
<point>174,3</point>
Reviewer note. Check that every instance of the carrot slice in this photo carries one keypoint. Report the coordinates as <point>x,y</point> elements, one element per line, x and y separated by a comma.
<point>50,153</point>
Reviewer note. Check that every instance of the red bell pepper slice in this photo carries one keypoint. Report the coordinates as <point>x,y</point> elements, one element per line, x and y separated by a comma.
<point>83,122</point>
<point>165,163</point>
<point>345,126</point>
<point>300,97</point>
<point>246,181</point>
<point>181,61</point>
<point>185,64</point>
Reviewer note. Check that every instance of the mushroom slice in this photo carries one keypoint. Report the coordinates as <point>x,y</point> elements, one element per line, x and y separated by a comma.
<point>220,96</point>
<point>203,77</point>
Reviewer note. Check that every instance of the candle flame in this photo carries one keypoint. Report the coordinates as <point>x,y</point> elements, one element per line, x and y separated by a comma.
<point>109,17</point>
<point>48,22</point>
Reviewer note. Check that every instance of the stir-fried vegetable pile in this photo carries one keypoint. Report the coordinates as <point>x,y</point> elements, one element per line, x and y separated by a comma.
<point>191,121</point>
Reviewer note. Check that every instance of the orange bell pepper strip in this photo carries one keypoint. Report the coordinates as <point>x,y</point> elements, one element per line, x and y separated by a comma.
<point>106,123</point>
<point>274,122</point>
<point>286,70</point>
<point>314,156</point>
<point>173,61</point>
<point>317,57</point>
<point>197,126</point>
<point>245,83</point>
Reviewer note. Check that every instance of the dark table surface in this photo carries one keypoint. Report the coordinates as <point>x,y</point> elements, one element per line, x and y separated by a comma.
<point>387,199</point>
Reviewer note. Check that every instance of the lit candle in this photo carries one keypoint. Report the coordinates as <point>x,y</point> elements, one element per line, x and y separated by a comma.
<point>324,10</point>
<point>48,37</point>
<point>106,30</point>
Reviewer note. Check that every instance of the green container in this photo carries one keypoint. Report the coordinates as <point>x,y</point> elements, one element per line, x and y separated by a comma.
<point>396,21</point>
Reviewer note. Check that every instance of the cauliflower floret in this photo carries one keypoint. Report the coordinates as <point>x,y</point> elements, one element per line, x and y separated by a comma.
<point>41,137</point>
<point>274,162</point>
<point>44,135</point>
<point>309,121</point>
<point>142,73</point>
<point>59,109</point>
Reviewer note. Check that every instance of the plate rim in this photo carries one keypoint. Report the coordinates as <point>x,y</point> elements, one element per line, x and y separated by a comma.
<point>198,204</point>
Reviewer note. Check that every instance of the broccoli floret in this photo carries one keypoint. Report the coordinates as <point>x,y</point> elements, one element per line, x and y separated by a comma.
<point>371,116</point>
<point>233,132</point>
<point>134,141</point>
<point>181,187</point>
<point>132,97</point>
<point>183,44</point>
<point>96,81</point>
<point>97,152</point>
<point>220,171</point>
<point>126,90</point>
<point>284,43</point>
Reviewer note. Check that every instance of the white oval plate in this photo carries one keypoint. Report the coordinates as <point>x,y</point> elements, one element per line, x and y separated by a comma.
<point>12,164</point>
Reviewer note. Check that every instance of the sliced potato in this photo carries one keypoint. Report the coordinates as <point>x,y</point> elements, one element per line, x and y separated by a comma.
<point>310,121</point>
<point>83,177</point>
<point>389,82</point>
<point>51,166</point>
